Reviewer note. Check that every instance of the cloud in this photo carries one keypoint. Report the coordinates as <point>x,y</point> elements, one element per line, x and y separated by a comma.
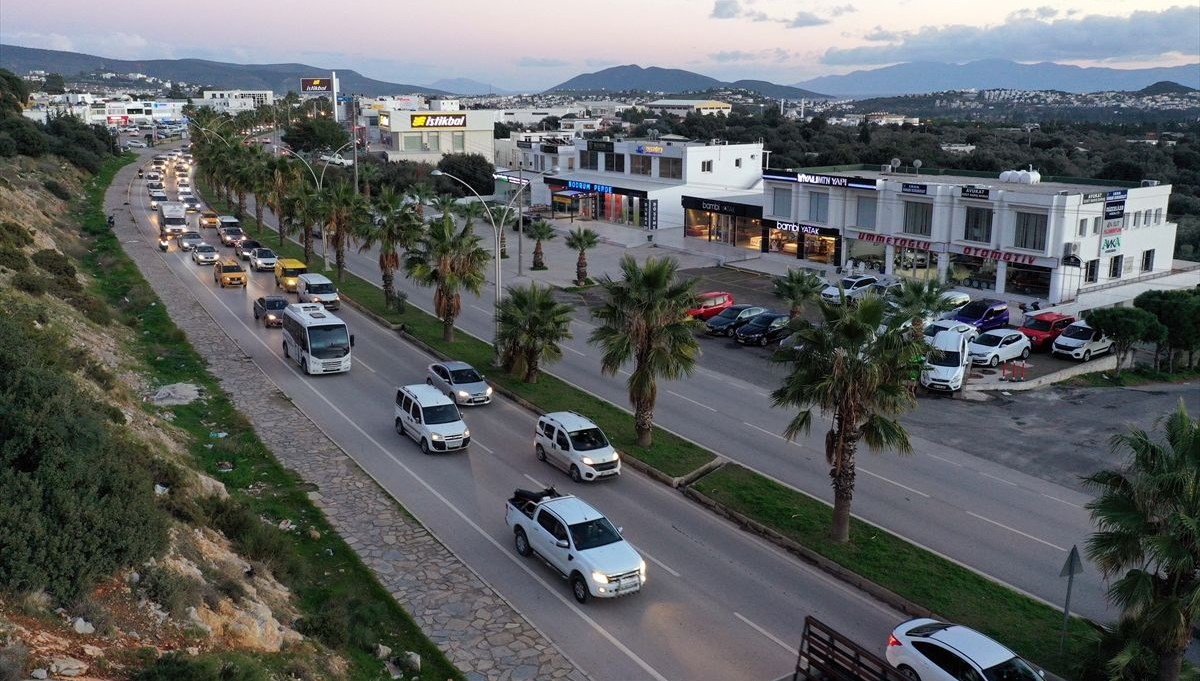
<point>731,56</point>
<point>1023,37</point>
<point>542,62</point>
<point>726,9</point>
<point>881,34</point>
<point>804,20</point>
<point>777,55</point>
<point>843,9</point>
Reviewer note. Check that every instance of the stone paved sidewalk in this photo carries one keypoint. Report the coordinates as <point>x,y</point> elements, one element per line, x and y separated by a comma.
<point>475,627</point>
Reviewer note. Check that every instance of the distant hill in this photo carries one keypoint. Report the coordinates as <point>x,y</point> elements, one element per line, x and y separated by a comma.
<point>466,86</point>
<point>655,79</point>
<point>1165,87</point>
<point>277,77</point>
<point>922,77</point>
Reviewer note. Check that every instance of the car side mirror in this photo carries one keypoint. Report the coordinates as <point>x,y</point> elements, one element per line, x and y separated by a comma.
<point>351,340</point>
<point>620,530</point>
<point>561,543</point>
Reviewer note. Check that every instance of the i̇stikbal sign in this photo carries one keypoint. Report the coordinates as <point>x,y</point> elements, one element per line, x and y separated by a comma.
<point>438,121</point>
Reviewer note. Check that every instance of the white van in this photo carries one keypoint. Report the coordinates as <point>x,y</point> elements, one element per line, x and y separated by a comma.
<point>946,364</point>
<point>431,419</point>
<point>317,288</point>
<point>1081,341</point>
<point>576,445</point>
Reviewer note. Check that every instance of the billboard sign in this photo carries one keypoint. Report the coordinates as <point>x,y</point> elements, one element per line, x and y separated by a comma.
<point>437,120</point>
<point>316,85</point>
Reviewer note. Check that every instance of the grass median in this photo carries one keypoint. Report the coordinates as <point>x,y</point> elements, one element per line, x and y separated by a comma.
<point>341,602</point>
<point>954,592</point>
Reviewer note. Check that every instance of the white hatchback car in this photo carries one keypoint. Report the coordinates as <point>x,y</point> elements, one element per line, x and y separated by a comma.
<point>999,345</point>
<point>263,259</point>
<point>932,330</point>
<point>925,649</point>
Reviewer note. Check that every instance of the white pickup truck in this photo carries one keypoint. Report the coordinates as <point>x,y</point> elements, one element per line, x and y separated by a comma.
<point>337,160</point>
<point>577,541</point>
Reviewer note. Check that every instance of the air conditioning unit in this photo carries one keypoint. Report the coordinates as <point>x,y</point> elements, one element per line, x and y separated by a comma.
<point>1149,183</point>
<point>885,168</point>
<point>1071,248</point>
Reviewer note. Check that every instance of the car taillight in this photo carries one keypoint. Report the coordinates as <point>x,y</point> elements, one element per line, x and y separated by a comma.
<point>893,641</point>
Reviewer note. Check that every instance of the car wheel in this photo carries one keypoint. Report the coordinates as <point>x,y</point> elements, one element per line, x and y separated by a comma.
<point>1025,353</point>
<point>400,427</point>
<point>762,342</point>
<point>575,473</point>
<point>304,364</point>
<point>1087,355</point>
<point>521,542</point>
<point>425,447</point>
<point>256,315</point>
<point>994,360</point>
<point>909,673</point>
<point>579,588</point>
<point>541,453</point>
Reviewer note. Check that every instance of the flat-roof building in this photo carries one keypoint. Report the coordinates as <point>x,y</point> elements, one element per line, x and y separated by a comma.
<point>683,107</point>
<point>429,135</point>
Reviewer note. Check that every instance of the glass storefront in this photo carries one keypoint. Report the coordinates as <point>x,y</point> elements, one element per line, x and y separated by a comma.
<point>745,232</point>
<point>783,241</point>
<point>818,248</point>
<point>867,254</point>
<point>1028,280</point>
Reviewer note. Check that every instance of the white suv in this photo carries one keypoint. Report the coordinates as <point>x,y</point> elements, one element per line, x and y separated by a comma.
<point>855,287</point>
<point>431,419</point>
<point>576,445</point>
<point>1081,342</point>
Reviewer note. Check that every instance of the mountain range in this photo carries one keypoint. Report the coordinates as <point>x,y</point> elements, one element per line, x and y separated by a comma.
<point>468,87</point>
<point>656,79</point>
<point>921,77</point>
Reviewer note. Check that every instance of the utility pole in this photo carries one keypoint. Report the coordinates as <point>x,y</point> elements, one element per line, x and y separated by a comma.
<point>520,219</point>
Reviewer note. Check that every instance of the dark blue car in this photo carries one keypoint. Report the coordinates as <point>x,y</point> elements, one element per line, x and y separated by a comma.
<point>985,314</point>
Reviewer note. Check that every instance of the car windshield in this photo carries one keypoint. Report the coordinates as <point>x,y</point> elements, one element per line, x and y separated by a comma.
<point>233,231</point>
<point>933,330</point>
<point>321,288</point>
<point>328,342</point>
<point>205,249</point>
<point>293,271</point>
<point>231,268</point>
<point>974,310</point>
<point>945,358</point>
<point>848,282</point>
<point>588,439</point>
<point>1078,332</point>
<point>1036,324</point>
<point>264,253</point>
<point>190,235</point>
<point>248,244</point>
<point>460,376</point>
<point>989,340</point>
<point>1015,669</point>
<point>594,533</point>
<point>442,413</point>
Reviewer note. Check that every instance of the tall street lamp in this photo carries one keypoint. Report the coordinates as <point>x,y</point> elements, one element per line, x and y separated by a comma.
<point>496,256</point>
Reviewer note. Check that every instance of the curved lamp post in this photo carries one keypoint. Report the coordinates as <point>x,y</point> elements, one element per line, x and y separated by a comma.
<point>320,182</point>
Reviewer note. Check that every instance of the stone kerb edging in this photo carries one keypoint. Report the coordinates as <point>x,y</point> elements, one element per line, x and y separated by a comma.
<point>1108,363</point>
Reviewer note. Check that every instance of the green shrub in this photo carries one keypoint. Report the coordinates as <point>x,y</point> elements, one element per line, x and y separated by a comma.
<point>33,284</point>
<point>173,591</point>
<point>13,259</point>
<point>54,262</point>
<point>12,660</point>
<point>13,234</point>
<point>92,307</point>
<point>57,189</point>
<point>99,374</point>
<point>226,667</point>
<point>253,538</point>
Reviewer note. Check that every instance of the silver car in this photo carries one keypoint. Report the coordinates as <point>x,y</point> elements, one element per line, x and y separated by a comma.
<point>262,259</point>
<point>460,382</point>
<point>190,240</point>
<point>205,254</point>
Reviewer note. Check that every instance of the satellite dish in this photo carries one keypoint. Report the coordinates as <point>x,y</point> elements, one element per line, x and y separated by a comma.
<point>895,163</point>
<point>917,164</point>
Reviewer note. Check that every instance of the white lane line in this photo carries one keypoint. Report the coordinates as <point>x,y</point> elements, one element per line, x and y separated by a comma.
<point>1010,529</point>
<point>1061,501</point>
<point>555,592</point>
<point>652,559</point>
<point>571,349</point>
<point>583,323</point>
<point>765,431</point>
<point>623,372</point>
<point>481,309</point>
<point>357,360</point>
<point>1007,482</point>
<point>482,446</point>
<point>534,480</point>
<point>876,475</point>
<point>764,632</point>
<point>688,399</point>
<point>942,458</point>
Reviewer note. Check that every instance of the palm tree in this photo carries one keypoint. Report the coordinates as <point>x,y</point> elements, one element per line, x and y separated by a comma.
<point>798,288</point>
<point>645,319</point>
<point>396,226</point>
<point>445,204</point>
<point>421,194</point>
<point>504,219</point>
<point>368,174</point>
<point>344,210</point>
<point>285,175</point>
<point>451,260</point>
<point>539,231</point>
<point>303,209</point>
<point>532,324</point>
<point>581,239</point>
<point>917,300</point>
<point>1148,535</point>
<point>470,211</point>
<point>261,182</point>
<point>846,369</point>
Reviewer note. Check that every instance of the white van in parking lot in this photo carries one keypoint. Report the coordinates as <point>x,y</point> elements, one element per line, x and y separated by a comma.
<point>431,419</point>
<point>576,445</point>
<point>1081,341</point>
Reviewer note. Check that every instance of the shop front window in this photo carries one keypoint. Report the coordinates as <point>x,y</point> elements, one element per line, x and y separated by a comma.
<point>589,160</point>
<point>781,202</point>
<point>819,248</point>
<point>1029,280</point>
<point>639,165</point>
<point>865,212</point>
<point>670,168</point>
<point>866,254</point>
<point>818,207</point>
<point>614,163</point>
<point>972,271</point>
<point>978,225</point>
<point>918,218</point>
<point>412,141</point>
<point>1030,232</point>
<point>784,241</point>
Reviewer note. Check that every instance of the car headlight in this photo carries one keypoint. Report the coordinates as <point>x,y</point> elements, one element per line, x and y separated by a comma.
<point>467,433</point>
<point>270,316</point>
<point>488,392</point>
<point>436,438</point>
<point>599,578</point>
<point>642,570</point>
<point>587,460</point>
<point>463,393</point>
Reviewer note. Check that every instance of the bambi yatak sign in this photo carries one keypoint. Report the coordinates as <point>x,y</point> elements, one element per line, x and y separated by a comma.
<point>437,121</point>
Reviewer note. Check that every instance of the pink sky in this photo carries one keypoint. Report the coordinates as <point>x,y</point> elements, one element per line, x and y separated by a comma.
<point>536,44</point>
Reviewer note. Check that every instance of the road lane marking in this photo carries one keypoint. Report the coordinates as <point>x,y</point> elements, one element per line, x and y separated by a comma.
<point>482,446</point>
<point>356,360</point>
<point>766,633</point>
<point>571,349</point>
<point>698,404</point>
<point>481,309</point>
<point>765,431</point>
<point>534,481</point>
<point>1061,501</point>
<point>1011,529</point>
<point>652,559</point>
<point>940,458</point>
<point>1007,482</point>
<point>876,475</point>
<point>623,372</point>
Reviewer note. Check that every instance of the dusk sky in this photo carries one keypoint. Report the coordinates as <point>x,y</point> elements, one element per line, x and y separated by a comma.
<point>535,44</point>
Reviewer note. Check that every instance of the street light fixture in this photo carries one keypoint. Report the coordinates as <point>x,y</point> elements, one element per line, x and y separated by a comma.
<point>320,182</point>
<point>496,256</point>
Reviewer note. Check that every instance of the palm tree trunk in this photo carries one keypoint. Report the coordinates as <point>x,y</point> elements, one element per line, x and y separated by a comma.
<point>308,242</point>
<point>840,450</point>
<point>389,287</point>
<point>581,269</point>
<point>1169,663</point>
<point>448,329</point>
<point>258,213</point>
<point>241,203</point>
<point>339,248</point>
<point>531,366</point>
<point>503,246</point>
<point>643,422</point>
<point>539,262</point>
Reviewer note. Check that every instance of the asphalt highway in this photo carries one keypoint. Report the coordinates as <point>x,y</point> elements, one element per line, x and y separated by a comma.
<point>718,603</point>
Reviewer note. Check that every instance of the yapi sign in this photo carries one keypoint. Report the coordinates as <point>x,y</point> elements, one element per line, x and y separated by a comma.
<point>437,121</point>
<point>316,85</point>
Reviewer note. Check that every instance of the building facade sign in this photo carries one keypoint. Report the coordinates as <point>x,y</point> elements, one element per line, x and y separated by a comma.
<point>426,121</point>
<point>650,149</point>
<point>524,144</point>
<point>820,180</point>
<point>1114,210</point>
<point>898,241</point>
<point>746,210</point>
<point>601,145</point>
<point>802,229</point>
<point>1093,197</point>
<point>316,85</point>
<point>1006,256</point>
<point>549,148</point>
<point>385,120</point>
<point>1110,245</point>
<point>589,187</point>
<point>913,188</point>
<point>982,193</point>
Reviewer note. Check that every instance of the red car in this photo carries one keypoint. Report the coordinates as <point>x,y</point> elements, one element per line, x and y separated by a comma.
<point>710,304</point>
<point>1042,329</point>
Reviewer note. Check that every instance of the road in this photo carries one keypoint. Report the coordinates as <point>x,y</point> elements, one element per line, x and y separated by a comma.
<point>719,603</point>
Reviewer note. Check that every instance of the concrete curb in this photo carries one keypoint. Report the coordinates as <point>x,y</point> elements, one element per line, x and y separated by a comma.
<point>1108,363</point>
<point>880,593</point>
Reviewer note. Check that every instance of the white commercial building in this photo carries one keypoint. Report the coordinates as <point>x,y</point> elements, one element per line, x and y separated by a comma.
<point>683,107</point>
<point>233,101</point>
<point>1012,234</point>
<point>429,135</point>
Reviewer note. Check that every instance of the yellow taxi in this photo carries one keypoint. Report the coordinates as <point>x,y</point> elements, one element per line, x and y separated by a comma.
<point>287,273</point>
<point>229,272</point>
<point>209,219</point>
